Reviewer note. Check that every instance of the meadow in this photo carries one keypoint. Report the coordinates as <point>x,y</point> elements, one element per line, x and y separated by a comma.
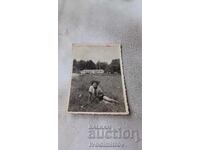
<point>111,85</point>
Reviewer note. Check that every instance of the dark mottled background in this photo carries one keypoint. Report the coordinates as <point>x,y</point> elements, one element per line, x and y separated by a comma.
<point>100,21</point>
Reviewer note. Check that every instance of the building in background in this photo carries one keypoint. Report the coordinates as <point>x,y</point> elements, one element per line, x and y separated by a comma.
<point>92,71</point>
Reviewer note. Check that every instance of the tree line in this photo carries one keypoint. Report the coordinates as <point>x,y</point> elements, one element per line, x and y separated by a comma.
<point>113,67</point>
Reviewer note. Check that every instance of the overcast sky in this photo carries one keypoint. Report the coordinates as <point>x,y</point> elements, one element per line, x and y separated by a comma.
<point>96,53</point>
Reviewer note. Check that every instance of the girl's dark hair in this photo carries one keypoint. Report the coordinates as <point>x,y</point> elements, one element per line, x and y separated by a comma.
<point>94,81</point>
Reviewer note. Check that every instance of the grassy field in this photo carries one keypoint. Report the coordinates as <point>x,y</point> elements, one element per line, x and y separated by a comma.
<point>111,85</point>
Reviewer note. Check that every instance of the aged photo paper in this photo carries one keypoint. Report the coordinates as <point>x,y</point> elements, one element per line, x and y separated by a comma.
<point>97,82</point>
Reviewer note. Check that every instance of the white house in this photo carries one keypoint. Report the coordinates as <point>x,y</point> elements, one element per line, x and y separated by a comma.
<point>92,71</point>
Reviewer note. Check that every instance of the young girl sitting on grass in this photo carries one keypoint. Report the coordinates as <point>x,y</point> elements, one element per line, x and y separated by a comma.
<point>96,94</point>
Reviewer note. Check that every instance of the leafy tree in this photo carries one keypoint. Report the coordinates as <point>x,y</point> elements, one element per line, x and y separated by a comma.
<point>115,66</point>
<point>81,65</point>
<point>101,65</point>
<point>90,65</point>
<point>75,66</point>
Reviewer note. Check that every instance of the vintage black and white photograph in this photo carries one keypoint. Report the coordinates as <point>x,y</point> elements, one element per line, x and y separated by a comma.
<point>97,83</point>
